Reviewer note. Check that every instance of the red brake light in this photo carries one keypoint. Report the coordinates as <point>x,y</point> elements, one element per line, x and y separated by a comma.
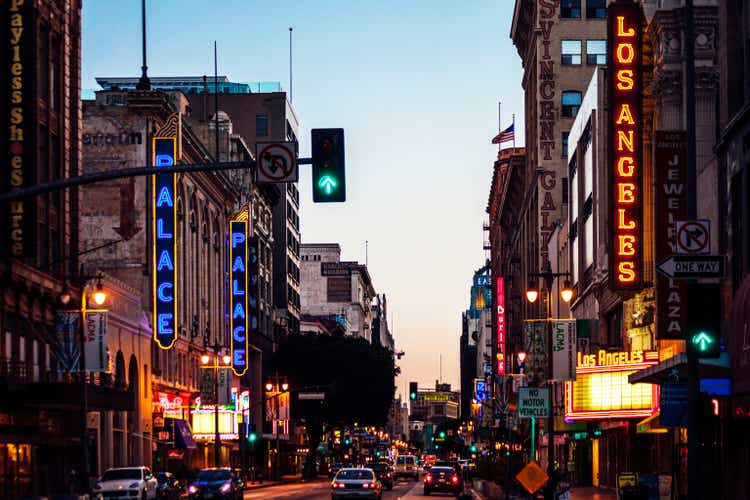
<point>428,478</point>
<point>454,478</point>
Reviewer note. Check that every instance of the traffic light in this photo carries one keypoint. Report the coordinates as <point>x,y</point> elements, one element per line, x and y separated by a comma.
<point>704,319</point>
<point>252,435</point>
<point>473,448</point>
<point>412,390</point>
<point>442,434</point>
<point>328,165</point>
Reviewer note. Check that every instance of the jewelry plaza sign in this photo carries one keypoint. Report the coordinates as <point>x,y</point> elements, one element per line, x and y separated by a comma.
<point>164,242</point>
<point>624,45</point>
<point>601,390</point>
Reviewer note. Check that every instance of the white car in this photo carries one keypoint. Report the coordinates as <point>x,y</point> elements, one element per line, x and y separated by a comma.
<point>406,465</point>
<point>136,483</point>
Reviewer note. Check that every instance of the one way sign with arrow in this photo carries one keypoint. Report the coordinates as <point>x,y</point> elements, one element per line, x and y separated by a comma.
<point>693,266</point>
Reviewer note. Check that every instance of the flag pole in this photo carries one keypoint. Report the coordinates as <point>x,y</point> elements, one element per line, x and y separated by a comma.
<point>499,122</point>
<point>514,131</point>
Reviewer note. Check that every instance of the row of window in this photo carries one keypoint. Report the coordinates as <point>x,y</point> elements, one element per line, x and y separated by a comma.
<point>572,9</point>
<point>596,52</point>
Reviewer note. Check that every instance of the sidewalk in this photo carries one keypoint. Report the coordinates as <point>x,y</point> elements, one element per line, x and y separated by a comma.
<point>592,494</point>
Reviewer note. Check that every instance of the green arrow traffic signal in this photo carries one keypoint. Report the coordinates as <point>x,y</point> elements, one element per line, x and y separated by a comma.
<point>252,437</point>
<point>328,165</point>
<point>327,184</point>
<point>702,341</point>
<point>442,434</point>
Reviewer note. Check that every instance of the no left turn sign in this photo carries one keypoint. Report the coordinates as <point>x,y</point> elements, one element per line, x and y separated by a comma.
<point>277,162</point>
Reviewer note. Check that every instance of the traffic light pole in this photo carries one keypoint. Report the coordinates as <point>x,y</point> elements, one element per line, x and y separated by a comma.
<point>693,420</point>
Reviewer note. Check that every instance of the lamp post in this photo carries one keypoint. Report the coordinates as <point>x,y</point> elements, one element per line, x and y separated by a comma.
<point>566,294</point>
<point>278,388</point>
<point>99,296</point>
<point>226,362</point>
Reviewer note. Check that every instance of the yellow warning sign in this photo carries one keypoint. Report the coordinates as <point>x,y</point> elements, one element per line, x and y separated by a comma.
<point>532,477</point>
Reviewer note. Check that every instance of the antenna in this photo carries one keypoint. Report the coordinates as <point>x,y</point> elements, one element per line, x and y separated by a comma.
<point>290,64</point>
<point>143,83</point>
<point>366,253</point>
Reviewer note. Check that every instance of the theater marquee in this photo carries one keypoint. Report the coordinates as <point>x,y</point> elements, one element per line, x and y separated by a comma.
<point>624,46</point>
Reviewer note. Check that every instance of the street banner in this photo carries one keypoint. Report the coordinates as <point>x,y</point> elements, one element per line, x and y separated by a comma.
<point>564,350</point>
<point>96,342</point>
<point>225,380</point>
<point>533,402</point>
<point>670,167</point>
<point>65,347</point>
<point>207,386</point>
<point>535,366</point>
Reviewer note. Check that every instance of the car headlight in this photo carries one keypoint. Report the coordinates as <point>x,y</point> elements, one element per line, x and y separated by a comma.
<point>226,487</point>
<point>135,484</point>
<point>192,489</point>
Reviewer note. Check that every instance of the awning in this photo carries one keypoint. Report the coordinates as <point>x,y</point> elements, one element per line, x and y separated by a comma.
<point>708,368</point>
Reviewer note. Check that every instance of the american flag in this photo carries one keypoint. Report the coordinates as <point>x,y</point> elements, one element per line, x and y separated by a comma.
<point>505,136</point>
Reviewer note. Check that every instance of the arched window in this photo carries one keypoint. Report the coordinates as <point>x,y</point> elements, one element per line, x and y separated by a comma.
<point>571,103</point>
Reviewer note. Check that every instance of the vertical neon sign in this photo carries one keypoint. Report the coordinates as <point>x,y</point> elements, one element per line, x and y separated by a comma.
<point>624,45</point>
<point>164,242</point>
<point>238,297</point>
<point>500,322</point>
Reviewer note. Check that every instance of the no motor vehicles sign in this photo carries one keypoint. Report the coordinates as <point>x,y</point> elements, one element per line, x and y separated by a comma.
<point>533,402</point>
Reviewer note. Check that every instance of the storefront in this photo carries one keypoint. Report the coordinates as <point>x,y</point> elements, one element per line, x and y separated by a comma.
<point>174,440</point>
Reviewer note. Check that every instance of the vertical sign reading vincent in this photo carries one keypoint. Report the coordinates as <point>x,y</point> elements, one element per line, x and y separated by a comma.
<point>500,322</point>
<point>238,299</point>
<point>164,242</point>
<point>18,108</point>
<point>624,45</point>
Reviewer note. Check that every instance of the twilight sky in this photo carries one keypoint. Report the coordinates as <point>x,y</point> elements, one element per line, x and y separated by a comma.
<point>415,84</point>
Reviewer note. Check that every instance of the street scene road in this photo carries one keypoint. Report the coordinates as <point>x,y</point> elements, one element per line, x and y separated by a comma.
<point>402,489</point>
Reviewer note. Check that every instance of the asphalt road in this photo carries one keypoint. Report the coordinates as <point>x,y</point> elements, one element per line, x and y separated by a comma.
<point>322,491</point>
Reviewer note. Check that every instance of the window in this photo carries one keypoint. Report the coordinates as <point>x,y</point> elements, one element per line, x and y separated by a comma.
<point>596,9</point>
<point>588,236</point>
<point>571,102</point>
<point>565,136</point>
<point>571,52</point>
<point>570,9</point>
<point>261,125</point>
<point>596,52</point>
<point>614,327</point>
<point>565,196</point>
<point>573,195</point>
<point>588,171</point>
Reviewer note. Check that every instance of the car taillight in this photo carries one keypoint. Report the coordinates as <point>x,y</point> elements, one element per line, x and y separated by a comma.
<point>368,485</point>
<point>337,485</point>
<point>454,478</point>
<point>428,478</point>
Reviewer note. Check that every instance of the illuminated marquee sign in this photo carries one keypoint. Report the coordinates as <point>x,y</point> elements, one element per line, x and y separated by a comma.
<point>164,242</point>
<point>624,45</point>
<point>238,299</point>
<point>601,390</point>
<point>500,322</point>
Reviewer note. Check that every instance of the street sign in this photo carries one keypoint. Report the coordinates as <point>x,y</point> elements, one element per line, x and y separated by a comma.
<point>693,266</point>
<point>532,477</point>
<point>533,402</point>
<point>693,237</point>
<point>309,396</point>
<point>277,162</point>
<point>564,350</point>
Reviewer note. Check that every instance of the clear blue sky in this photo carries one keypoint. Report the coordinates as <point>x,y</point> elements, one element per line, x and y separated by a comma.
<point>414,83</point>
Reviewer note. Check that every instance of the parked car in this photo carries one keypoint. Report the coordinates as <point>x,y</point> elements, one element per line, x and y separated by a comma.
<point>218,482</point>
<point>384,473</point>
<point>133,482</point>
<point>167,487</point>
<point>444,479</point>
<point>406,466</point>
<point>356,483</point>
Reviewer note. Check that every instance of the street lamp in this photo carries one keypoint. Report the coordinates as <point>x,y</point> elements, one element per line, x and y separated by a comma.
<point>566,294</point>
<point>226,362</point>
<point>100,297</point>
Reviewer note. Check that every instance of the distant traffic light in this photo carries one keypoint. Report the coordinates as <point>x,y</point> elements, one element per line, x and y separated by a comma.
<point>413,390</point>
<point>442,434</point>
<point>473,448</point>
<point>328,165</point>
<point>704,319</point>
<point>252,435</point>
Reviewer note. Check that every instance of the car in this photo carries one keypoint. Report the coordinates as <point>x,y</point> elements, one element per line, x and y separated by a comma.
<point>449,463</point>
<point>406,466</point>
<point>384,471</point>
<point>356,483</point>
<point>167,487</point>
<point>216,482</point>
<point>126,482</point>
<point>444,479</point>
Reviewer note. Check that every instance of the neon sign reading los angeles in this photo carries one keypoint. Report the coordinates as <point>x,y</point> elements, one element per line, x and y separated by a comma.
<point>238,300</point>
<point>164,242</point>
<point>624,45</point>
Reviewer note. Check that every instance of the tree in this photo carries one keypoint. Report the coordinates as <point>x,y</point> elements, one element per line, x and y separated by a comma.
<point>356,377</point>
